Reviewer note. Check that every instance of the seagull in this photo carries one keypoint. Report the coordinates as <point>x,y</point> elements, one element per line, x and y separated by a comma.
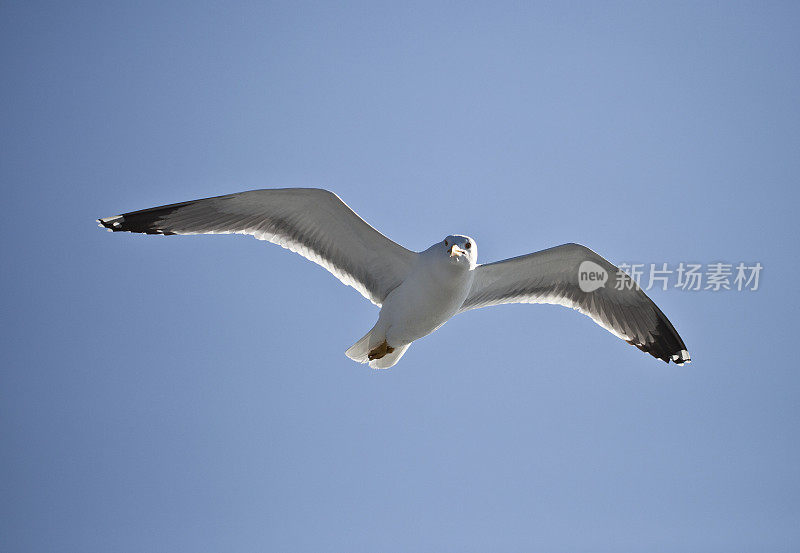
<point>417,292</point>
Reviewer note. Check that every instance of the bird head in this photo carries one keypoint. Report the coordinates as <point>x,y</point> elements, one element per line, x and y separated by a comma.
<point>460,249</point>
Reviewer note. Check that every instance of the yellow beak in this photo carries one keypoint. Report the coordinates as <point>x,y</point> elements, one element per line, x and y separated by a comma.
<point>456,251</point>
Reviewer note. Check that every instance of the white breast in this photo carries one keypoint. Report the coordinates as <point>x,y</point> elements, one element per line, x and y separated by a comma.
<point>428,298</point>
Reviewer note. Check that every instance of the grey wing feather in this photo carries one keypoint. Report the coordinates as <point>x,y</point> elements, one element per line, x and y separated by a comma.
<point>551,276</point>
<point>312,222</point>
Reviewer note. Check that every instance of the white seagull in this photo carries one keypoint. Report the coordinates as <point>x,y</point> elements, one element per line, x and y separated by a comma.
<point>418,292</point>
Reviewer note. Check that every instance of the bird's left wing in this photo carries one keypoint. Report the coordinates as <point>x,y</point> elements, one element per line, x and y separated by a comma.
<point>552,276</point>
<point>312,222</point>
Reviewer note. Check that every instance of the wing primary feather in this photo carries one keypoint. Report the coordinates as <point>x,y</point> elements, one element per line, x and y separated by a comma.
<point>551,276</point>
<point>312,222</point>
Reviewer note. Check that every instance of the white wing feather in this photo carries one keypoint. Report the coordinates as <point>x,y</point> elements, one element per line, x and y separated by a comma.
<point>312,222</point>
<point>551,276</point>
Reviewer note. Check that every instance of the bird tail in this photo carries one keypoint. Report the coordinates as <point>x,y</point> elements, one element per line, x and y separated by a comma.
<point>359,352</point>
<point>375,338</point>
<point>390,359</point>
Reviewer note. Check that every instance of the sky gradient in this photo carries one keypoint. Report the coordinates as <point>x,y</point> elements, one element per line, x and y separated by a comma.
<point>192,393</point>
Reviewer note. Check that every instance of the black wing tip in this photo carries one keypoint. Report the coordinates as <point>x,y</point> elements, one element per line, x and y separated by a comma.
<point>665,344</point>
<point>113,224</point>
<point>144,222</point>
<point>679,357</point>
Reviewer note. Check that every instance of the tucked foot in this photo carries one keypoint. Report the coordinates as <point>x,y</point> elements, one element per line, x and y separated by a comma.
<point>379,351</point>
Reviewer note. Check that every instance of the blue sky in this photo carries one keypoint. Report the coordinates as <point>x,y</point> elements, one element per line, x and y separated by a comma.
<point>192,394</point>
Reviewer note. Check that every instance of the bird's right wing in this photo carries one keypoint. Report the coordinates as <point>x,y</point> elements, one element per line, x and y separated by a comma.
<point>312,222</point>
<point>552,276</point>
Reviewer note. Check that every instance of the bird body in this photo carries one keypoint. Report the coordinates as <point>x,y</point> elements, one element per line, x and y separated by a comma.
<point>417,292</point>
<point>430,295</point>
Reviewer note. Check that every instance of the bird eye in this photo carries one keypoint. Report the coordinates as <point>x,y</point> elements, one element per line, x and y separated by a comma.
<point>445,243</point>
<point>468,245</point>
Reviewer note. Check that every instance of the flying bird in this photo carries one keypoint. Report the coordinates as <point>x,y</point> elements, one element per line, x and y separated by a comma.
<point>418,292</point>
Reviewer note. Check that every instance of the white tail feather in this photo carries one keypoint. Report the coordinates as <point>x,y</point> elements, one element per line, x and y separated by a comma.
<point>359,352</point>
<point>389,359</point>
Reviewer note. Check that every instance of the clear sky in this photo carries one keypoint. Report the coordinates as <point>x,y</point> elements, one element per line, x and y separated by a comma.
<point>192,393</point>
